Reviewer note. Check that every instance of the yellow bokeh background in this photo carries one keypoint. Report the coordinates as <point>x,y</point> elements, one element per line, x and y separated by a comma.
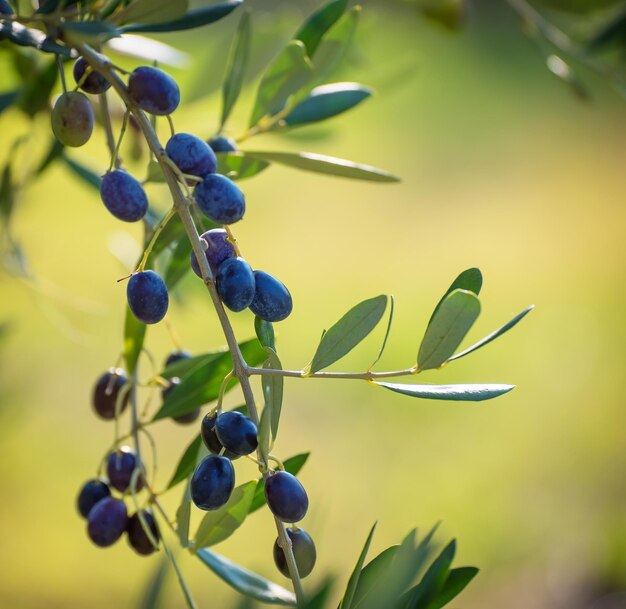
<point>502,168</point>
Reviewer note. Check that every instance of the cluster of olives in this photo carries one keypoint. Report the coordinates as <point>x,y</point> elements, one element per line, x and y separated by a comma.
<point>228,436</point>
<point>217,197</point>
<point>107,516</point>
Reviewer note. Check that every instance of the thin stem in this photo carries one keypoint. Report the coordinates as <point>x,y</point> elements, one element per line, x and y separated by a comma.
<point>108,127</point>
<point>146,254</point>
<point>61,73</point>
<point>116,151</point>
<point>240,368</point>
<point>302,374</point>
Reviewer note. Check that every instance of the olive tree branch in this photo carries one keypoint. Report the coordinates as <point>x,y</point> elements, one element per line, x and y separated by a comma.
<point>240,368</point>
<point>302,374</point>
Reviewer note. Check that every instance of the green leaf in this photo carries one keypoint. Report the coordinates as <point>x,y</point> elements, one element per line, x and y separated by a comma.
<point>273,389</point>
<point>220,524</point>
<point>265,332</point>
<point>495,334</point>
<point>431,584</point>
<point>470,280</point>
<point>134,334</point>
<point>54,152</point>
<point>7,193</point>
<point>263,433</point>
<point>314,28</point>
<point>389,322</point>
<point>335,44</point>
<point>27,37</point>
<point>236,64</point>
<point>353,582</point>
<point>457,581</point>
<point>35,94</point>
<point>154,173</point>
<point>89,177</point>
<point>286,75</point>
<point>460,393</point>
<point>614,32</point>
<point>183,367</point>
<point>91,32</point>
<point>292,465</point>
<point>245,581</point>
<point>349,331</point>
<point>448,327</point>
<point>239,166</point>
<point>187,462</point>
<point>202,384</point>
<point>318,163</point>
<point>8,98</point>
<point>183,516</point>
<point>327,101</point>
<point>373,577</point>
<point>178,264</point>
<point>151,596</point>
<point>449,13</point>
<point>151,11</point>
<point>190,20</point>
<point>181,580</point>
<point>173,232</point>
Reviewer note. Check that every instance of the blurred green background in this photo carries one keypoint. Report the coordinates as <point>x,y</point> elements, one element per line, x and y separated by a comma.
<point>502,168</point>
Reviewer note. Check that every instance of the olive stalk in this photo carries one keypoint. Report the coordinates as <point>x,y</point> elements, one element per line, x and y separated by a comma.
<point>240,368</point>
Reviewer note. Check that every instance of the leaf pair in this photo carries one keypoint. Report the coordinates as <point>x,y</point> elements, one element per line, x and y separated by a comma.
<point>452,319</point>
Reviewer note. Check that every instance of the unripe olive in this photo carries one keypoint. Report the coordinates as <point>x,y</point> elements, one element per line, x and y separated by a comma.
<point>72,119</point>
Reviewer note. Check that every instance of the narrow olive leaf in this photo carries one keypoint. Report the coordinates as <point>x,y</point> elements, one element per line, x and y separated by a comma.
<point>7,99</point>
<point>181,580</point>
<point>202,385</point>
<point>389,321</point>
<point>448,328</point>
<point>134,334</point>
<point>183,367</point>
<point>318,599</point>
<point>335,44</point>
<point>457,581</point>
<point>292,465</point>
<point>288,73</point>
<point>151,596</point>
<point>313,29</point>
<point>236,65</point>
<point>91,32</point>
<point>495,334</point>
<point>433,581</point>
<point>273,389</point>
<point>239,166</point>
<point>178,264</point>
<point>183,516</point>
<point>220,524</point>
<point>265,332</point>
<point>154,173</point>
<point>7,193</point>
<point>147,49</point>
<point>373,577</point>
<point>614,32</point>
<point>27,37</point>
<point>54,152</point>
<point>327,101</point>
<point>318,163</point>
<point>172,233</point>
<point>245,581</point>
<point>264,432</point>
<point>190,20</point>
<point>89,177</point>
<point>349,331</point>
<point>35,94</point>
<point>457,393</point>
<point>470,280</point>
<point>151,11</point>
<point>187,463</point>
<point>353,582</point>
